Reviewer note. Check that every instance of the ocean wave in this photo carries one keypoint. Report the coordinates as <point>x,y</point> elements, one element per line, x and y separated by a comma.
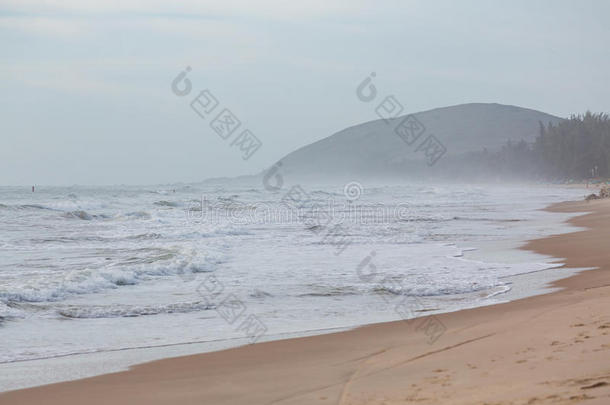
<point>65,239</point>
<point>80,214</point>
<point>144,236</point>
<point>129,311</point>
<point>9,312</point>
<point>20,207</point>
<point>36,207</point>
<point>330,291</point>
<point>260,294</point>
<point>164,203</point>
<point>95,238</point>
<point>498,291</point>
<point>69,214</point>
<point>457,218</point>
<point>424,219</point>
<point>130,272</point>
<point>435,290</point>
<point>135,215</point>
<point>221,231</point>
<point>322,193</point>
<point>229,199</point>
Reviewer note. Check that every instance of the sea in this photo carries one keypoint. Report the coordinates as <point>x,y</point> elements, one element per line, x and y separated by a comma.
<point>95,279</point>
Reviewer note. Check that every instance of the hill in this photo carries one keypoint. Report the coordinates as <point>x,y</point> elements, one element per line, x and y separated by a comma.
<point>396,146</point>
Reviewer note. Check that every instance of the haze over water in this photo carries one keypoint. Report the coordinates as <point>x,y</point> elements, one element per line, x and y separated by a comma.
<point>102,268</point>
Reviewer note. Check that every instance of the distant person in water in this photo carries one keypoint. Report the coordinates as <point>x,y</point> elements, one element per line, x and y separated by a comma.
<point>32,189</point>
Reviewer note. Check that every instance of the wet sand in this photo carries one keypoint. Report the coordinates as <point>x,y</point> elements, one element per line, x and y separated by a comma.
<point>547,349</point>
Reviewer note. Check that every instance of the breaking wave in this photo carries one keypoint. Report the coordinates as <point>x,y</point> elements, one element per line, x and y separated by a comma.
<point>89,281</point>
<point>128,311</point>
<point>164,203</point>
<point>330,291</point>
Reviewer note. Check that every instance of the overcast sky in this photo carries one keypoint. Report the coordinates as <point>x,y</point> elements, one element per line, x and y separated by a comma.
<point>86,85</point>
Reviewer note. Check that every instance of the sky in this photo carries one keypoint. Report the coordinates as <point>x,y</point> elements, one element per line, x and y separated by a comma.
<point>87,94</point>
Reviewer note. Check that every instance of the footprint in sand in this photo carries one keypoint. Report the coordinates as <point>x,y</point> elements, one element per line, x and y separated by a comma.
<point>580,397</point>
<point>596,385</point>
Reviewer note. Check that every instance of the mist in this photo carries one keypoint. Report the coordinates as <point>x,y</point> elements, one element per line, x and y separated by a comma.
<point>88,87</point>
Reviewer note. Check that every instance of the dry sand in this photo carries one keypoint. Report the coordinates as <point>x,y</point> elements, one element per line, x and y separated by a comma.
<point>548,349</point>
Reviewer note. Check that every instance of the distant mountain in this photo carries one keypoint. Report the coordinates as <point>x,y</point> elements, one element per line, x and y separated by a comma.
<point>395,146</point>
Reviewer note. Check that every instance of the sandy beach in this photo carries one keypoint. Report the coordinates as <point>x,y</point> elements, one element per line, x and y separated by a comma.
<point>547,349</point>
<point>309,203</point>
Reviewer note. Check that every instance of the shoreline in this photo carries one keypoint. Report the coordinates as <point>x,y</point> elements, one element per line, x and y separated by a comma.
<point>346,366</point>
<point>39,366</point>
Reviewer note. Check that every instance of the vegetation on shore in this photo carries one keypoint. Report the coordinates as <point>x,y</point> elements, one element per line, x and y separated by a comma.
<point>577,149</point>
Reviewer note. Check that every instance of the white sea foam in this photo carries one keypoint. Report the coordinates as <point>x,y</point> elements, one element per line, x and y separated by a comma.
<point>95,269</point>
<point>114,311</point>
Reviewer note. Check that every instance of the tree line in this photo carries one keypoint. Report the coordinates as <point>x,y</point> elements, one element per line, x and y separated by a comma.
<point>577,148</point>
